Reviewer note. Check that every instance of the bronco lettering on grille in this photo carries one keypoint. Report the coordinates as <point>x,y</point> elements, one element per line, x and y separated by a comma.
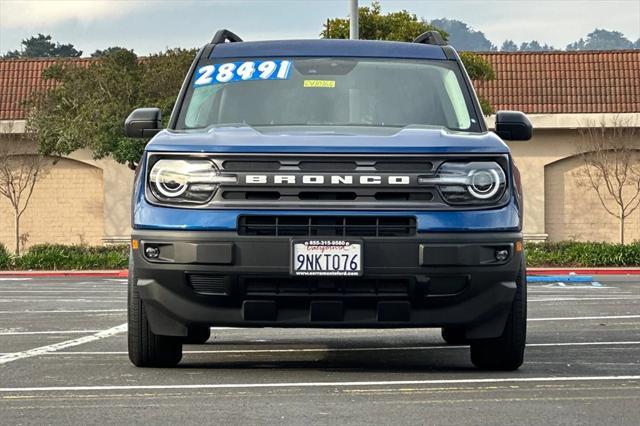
<point>326,180</point>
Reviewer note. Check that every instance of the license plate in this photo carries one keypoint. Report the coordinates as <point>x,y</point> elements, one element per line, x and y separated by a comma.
<point>326,258</point>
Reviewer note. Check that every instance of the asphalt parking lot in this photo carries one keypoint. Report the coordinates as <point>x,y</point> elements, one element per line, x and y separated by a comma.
<point>63,360</point>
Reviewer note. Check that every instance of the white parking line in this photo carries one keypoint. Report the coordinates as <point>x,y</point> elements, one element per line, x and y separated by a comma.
<point>369,349</point>
<point>584,344</point>
<point>320,384</point>
<point>26,333</point>
<point>579,299</point>
<point>11,333</point>
<point>63,345</point>
<point>585,318</point>
<point>390,348</point>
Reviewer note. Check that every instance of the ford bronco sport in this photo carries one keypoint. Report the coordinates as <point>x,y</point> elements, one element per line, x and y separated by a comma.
<point>327,183</point>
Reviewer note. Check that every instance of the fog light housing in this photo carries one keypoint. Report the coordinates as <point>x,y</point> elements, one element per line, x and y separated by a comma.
<point>502,255</point>
<point>152,252</point>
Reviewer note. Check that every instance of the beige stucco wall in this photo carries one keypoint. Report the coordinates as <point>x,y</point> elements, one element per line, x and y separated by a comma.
<point>531,157</point>
<point>573,210</point>
<point>66,207</point>
<point>557,205</point>
<point>77,200</point>
<point>117,186</point>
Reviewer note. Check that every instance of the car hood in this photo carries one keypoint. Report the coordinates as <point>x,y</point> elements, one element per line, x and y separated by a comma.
<point>246,139</point>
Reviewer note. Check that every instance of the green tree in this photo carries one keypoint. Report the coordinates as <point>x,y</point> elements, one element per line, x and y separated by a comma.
<point>509,46</point>
<point>99,53</point>
<point>462,37</point>
<point>610,153</point>
<point>602,40</point>
<point>373,25</point>
<point>19,173</point>
<point>87,107</point>
<point>41,46</point>
<point>535,46</point>
<point>403,26</point>
<point>477,67</point>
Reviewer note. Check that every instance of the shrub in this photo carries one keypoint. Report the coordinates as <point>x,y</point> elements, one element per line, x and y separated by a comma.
<point>5,258</point>
<point>585,254</point>
<point>58,256</point>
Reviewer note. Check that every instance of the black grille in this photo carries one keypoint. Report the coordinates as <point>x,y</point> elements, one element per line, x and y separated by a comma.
<point>361,287</point>
<point>337,164</point>
<point>277,182</point>
<point>327,226</point>
<point>209,284</point>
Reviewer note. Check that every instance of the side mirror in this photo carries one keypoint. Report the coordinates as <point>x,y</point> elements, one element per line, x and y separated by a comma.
<point>143,123</point>
<point>513,126</point>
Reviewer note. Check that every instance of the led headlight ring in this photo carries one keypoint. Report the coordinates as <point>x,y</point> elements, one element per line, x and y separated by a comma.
<point>168,185</point>
<point>483,184</point>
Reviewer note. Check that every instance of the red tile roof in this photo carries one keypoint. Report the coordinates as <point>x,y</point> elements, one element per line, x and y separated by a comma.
<point>535,82</point>
<point>564,82</point>
<point>21,77</point>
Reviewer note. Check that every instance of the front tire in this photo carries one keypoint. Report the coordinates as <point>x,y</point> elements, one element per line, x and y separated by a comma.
<point>506,352</point>
<point>147,349</point>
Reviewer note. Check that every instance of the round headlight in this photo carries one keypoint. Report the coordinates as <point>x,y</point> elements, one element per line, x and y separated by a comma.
<point>484,184</point>
<point>186,181</point>
<point>472,183</point>
<point>170,184</point>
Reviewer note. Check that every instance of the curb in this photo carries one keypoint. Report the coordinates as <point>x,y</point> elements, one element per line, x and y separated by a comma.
<point>95,274</point>
<point>559,278</point>
<point>583,271</point>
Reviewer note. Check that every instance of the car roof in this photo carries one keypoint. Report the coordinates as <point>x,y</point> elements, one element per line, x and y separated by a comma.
<point>325,47</point>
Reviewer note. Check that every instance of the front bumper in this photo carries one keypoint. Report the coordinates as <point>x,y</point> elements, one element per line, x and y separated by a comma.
<point>427,280</point>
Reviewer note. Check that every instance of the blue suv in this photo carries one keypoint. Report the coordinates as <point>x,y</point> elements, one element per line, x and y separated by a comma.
<point>327,183</point>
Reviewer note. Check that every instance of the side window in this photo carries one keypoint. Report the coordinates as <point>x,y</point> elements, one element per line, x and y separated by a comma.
<point>452,86</point>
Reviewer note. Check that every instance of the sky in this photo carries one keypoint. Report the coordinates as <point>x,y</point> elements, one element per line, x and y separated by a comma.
<point>150,26</point>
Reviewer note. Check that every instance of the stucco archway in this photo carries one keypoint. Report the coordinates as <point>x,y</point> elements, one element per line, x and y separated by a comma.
<point>66,207</point>
<point>573,210</point>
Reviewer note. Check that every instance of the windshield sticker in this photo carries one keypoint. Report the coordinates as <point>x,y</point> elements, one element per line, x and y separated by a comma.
<point>242,71</point>
<point>319,83</point>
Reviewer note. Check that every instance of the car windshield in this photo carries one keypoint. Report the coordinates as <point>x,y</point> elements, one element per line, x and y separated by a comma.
<point>328,92</point>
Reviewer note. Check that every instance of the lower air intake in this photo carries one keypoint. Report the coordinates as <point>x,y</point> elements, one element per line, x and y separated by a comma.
<point>214,285</point>
<point>327,226</point>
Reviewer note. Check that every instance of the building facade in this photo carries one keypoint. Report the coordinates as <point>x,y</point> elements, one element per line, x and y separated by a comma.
<point>83,200</point>
<point>563,93</point>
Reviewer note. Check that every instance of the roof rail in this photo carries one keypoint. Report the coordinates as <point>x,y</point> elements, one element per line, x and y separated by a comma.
<point>430,37</point>
<point>225,35</point>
